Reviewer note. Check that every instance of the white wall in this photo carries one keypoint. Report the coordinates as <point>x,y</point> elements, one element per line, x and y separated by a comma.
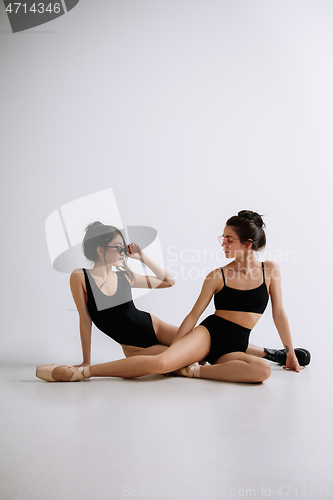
<point>190,110</point>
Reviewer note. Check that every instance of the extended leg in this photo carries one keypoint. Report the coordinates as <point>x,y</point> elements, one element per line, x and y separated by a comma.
<point>193,347</point>
<point>130,351</point>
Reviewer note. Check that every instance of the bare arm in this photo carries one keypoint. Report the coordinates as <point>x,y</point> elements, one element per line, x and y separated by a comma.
<point>79,296</point>
<point>208,289</point>
<point>280,318</point>
<point>161,279</point>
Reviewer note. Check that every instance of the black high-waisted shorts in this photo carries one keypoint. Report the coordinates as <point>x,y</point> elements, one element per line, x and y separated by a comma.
<point>225,337</point>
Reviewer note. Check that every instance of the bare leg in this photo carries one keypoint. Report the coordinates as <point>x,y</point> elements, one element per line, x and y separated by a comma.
<point>255,351</point>
<point>164,332</point>
<point>193,347</point>
<point>145,351</point>
<point>237,367</point>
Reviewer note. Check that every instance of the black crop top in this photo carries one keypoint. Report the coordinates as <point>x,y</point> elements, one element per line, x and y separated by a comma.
<point>231,299</point>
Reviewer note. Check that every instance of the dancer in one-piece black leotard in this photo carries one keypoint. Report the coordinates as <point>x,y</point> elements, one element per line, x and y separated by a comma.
<point>116,315</point>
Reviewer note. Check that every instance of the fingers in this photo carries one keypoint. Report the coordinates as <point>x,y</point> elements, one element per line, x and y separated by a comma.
<point>133,248</point>
<point>298,367</point>
<point>293,369</point>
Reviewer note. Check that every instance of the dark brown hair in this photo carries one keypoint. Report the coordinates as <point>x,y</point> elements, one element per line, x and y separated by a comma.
<point>249,226</point>
<point>99,235</point>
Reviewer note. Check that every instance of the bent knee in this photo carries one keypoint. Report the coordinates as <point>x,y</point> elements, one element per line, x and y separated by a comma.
<point>263,370</point>
<point>159,364</point>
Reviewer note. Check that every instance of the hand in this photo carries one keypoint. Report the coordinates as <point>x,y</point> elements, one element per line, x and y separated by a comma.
<point>134,251</point>
<point>82,364</point>
<point>292,363</point>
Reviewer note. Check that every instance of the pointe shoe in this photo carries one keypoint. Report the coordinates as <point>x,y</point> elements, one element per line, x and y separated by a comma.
<point>44,372</point>
<point>192,370</point>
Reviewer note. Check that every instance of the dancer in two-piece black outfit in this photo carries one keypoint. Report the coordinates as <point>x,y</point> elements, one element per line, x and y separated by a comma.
<point>241,292</point>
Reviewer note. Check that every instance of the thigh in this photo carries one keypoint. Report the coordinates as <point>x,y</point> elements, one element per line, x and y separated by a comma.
<point>189,349</point>
<point>130,351</point>
<point>241,356</point>
<point>237,367</point>
<point>164,332</point>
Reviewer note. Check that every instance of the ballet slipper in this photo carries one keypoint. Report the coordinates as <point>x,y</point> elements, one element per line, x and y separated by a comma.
<point>44,372</point>
<point>192,370</point>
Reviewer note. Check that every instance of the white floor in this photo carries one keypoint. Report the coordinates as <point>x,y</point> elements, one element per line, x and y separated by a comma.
<point>165,437</point>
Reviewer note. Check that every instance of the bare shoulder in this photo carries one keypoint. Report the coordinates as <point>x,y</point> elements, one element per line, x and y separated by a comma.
<point>270,264</point>
<point>272,269</point>
<point>213,279</point>
<point>77,277</point>
<point>79,291</point>
<point>77,273</point>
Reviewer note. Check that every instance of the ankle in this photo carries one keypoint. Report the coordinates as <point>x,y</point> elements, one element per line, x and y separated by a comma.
<point>193,370</point>
<point>268,354</point>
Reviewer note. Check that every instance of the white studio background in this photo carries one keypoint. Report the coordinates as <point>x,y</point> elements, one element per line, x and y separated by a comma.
<point>190,110</point>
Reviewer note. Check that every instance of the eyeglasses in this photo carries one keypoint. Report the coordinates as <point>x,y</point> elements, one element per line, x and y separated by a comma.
<point>119,249</point>
<point>226,241</point>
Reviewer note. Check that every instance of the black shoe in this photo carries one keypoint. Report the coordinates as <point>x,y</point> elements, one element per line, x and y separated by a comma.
<point>280,356</point>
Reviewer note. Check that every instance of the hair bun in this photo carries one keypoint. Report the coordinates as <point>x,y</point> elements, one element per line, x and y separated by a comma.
<point>93,225</point>
<point>254,216</point>
<point>95,229</point>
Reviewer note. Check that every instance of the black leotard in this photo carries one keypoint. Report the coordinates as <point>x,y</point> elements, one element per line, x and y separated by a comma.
<point>117,316</point>
<point>227,336</point>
